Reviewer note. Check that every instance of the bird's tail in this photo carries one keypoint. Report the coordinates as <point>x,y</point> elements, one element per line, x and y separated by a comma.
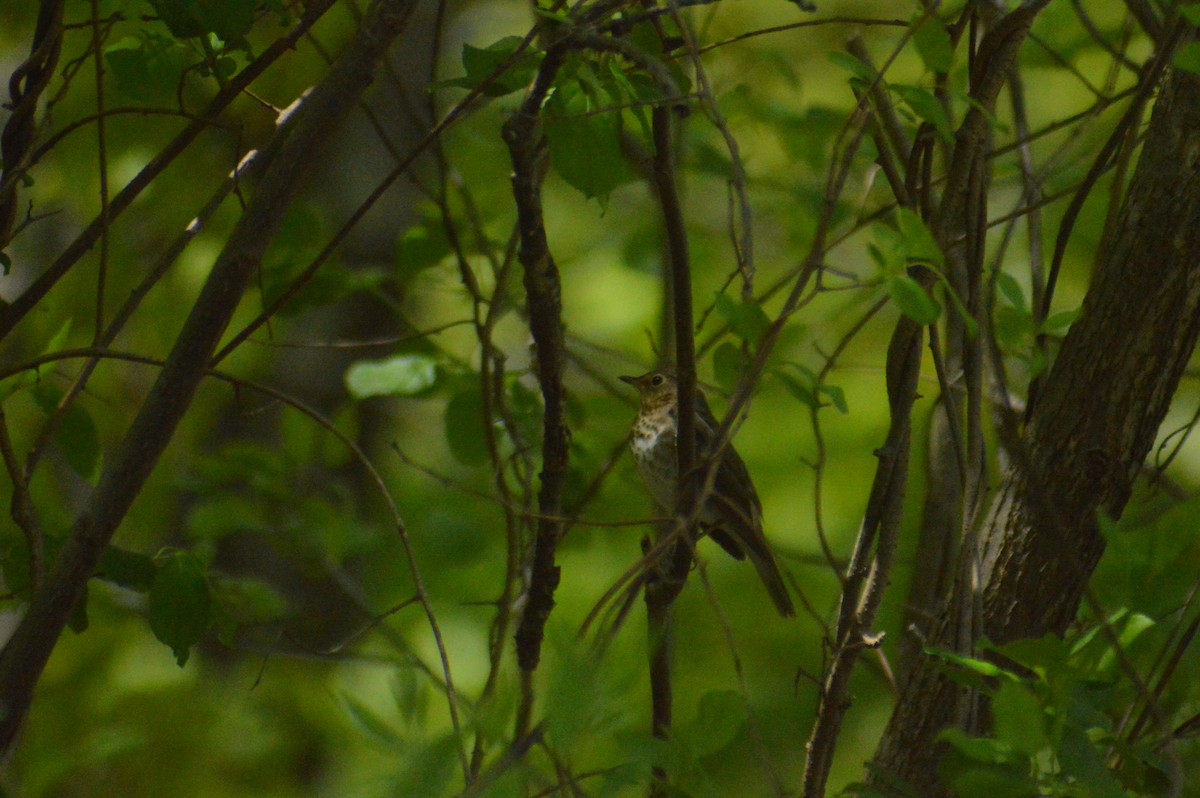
<point>772,579</point>
<point>742,536</point>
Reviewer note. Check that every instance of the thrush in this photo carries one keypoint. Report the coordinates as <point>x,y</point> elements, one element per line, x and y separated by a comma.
<point>731,514</point>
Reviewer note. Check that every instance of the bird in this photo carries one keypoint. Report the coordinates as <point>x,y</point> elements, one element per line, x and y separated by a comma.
<point>732,513</point>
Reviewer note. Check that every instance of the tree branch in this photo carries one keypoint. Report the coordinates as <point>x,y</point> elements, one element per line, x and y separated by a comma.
<point>11,314</point>
<point>1102,404</point>
<point>311,127</point>
<point>543,291</point>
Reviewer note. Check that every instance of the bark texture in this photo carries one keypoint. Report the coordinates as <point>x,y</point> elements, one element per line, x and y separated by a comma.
<point>1093,425</point>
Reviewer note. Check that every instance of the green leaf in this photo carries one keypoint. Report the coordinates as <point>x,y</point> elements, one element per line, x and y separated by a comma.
<point>1135,625</point>
<point>1011,290</point>
<point>721,716</point>
<point>584,140</point>
<point>5,264</point>
<point>933,42</point>
<point>1013,328</point>
<point>727,361</point>
<point>480,62</point>
<point>1131,629</point>
<point>1080,759</point>
<point>427,768</point>
<point>837,398</point>
<point>180,603</point>
<point>464,427</point>
<point>978,749</point>
<point>370,721</point>
<point>981,780</point>
<point>747,319</point>
<point>637,92</point>
<point>1187,57</point>
<point>410,690</point>
<point>403,375</point>
<point>1018,718</point>
<point>60,337</point>
<point>927,108</point>
<point>1058,323</point>
<point>803,389</point>
<point>76,436</point>
<point>919,243</point>
<point>912,300</point>
<point>79,442</point>
<point>972,326</point>
<point>1190,12</point>
<point>1043,655</point>
<point>230,20</point>
<point>146,67</point>
<point>854,66</point>
<point>129,569</point>
<point>525,412</point>
<point>970,664</point>
<point>887,249</point>
<point>421,247</point>
<point>578,707</point>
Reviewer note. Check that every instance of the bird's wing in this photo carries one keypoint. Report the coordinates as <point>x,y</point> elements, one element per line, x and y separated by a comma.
<point>735,503</point>
<point>733,484</point>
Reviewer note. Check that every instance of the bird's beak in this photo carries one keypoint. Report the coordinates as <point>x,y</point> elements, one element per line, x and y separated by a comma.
<point>630,380</point>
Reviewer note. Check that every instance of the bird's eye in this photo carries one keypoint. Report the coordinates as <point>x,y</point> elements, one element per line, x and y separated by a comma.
<point>657,380</point>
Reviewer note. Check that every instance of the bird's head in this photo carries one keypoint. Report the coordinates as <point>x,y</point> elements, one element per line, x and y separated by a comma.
<point>655,388</point>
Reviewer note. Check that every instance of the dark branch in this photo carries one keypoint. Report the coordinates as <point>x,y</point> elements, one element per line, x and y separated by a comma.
<point>26,653</point>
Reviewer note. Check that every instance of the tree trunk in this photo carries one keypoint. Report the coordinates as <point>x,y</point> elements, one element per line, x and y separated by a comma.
<point>1093,425</point>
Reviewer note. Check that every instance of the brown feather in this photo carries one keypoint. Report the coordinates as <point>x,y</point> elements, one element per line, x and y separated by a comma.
<point>732,515</point>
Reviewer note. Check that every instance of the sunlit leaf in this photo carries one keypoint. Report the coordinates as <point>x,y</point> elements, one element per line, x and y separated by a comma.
<point>402,375</point>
